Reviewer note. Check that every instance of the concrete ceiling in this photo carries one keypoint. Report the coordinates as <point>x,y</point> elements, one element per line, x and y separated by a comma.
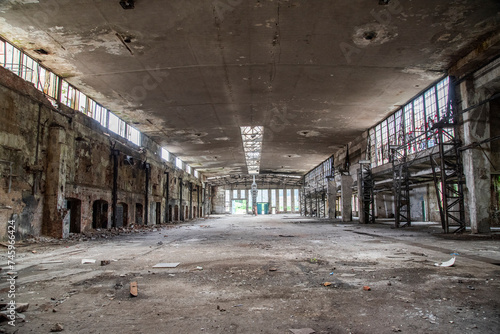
<point>189,73</point>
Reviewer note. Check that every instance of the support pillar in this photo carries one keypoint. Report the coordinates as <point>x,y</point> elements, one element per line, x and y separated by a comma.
<point>54,212</point>
<point>346,196</point>
<point>331,197</point>
<point>477,168</point>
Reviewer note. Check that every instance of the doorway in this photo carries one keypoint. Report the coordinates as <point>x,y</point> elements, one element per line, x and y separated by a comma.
<point>239,206</point>
<point>100,214</point>
<point>74,207</point>
<point>138,213</point>
<point>158,213</point>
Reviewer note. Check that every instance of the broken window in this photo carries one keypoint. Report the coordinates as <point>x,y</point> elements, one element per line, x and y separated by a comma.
<point>196,173</point>
<point>178,163</point>
<point>188,168</point>
<point>133,135</point>
<point>165,155</point>
<point>116,125</point>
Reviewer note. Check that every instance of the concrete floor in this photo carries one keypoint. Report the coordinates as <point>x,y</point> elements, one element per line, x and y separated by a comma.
<point>261,274</point>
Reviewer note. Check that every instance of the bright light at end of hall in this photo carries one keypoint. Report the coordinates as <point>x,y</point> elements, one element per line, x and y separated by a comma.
<point>252,145</point>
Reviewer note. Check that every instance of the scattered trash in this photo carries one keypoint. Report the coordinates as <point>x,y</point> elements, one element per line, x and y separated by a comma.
<point>199,268</point>
<point>367,288</point>
<point>160,243</point>
<point>395,329</point>
<point>455,254</point>
<point>327,283</point>
<point>133,289</point>
<point>166,265</point>
<point>34,252</point>
<point>88,261</point>
<point>303,331</point>
<point>348,275</point>
<point>220,309</point>
<point>105,262</point>
<point>286,236</point>
<point>273,269</point>
<point>57,328</point>
<point>448,263</point>
<point>50,262</point>
<point>470,287</point>
<point>239,305</point>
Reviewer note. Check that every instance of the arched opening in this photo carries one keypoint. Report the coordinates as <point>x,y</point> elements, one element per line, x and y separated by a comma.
<point>139,211</point>
<point>100,214</point>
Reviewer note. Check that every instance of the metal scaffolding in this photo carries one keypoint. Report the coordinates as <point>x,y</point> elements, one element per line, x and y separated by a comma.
<point>401,187</point>
<point>449,180</point>
<point>366,193</point>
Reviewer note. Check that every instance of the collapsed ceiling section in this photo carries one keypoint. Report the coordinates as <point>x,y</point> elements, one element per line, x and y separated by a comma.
<point>190,74</point>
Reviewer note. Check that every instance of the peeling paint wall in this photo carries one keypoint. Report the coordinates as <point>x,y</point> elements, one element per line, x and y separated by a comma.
<point>50,156</point>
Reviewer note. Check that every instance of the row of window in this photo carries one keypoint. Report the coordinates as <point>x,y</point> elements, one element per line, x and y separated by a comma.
<point>317,177</point>
<point>277,198</point>
<point>410,127</point>
<point>59,90</point>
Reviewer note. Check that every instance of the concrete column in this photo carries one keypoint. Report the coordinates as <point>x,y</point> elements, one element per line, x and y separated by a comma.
<point>293,200</point>
<point>331,197</point>
<point>55,183</point>
<point>346,197</point>
<point>284,200</point>
<point>476,166</point>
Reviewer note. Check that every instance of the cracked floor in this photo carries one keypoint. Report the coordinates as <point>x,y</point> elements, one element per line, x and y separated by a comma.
<point>266,274</point>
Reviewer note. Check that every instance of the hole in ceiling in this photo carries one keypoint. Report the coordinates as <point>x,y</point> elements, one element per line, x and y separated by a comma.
<point>369,35</point>
<point>127,4</point>
<point>383,2</point>
<point>42,51</point>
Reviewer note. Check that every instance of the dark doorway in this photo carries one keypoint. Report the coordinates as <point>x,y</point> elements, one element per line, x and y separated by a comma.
<point>100,214</point>
<point>169,213</point>
<point>194,212</point>
<point>176,213</point>
<point>187,213</point>
<point>121,215</point>
<point>158,213</point>
<point>138,213</point>
<point>201,212</point>
<point>74,207</point>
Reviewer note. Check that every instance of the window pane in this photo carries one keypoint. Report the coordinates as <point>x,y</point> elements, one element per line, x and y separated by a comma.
<point>165,155</point>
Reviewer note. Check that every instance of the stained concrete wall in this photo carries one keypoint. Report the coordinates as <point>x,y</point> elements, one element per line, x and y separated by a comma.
<point>60,154</point>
